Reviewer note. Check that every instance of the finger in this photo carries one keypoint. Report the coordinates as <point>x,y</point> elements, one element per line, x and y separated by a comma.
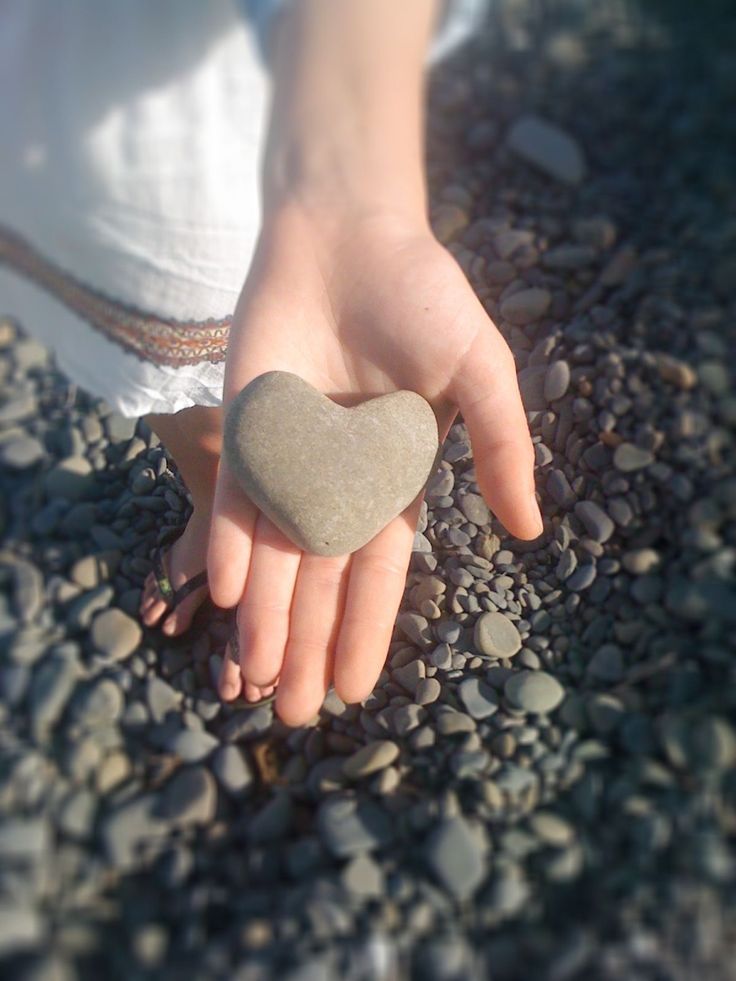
<point>231,539</point>
<point>377,579</point>
<point>487,393</point>
<point>230,680</point>
<point>315,615</point>
<point>263,613</point>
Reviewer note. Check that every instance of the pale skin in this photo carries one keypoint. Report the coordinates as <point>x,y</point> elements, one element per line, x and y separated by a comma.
<point>350,290</point>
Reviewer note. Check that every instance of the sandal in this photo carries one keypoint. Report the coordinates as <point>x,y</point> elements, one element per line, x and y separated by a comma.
<point>234,648</point>
<point>173,597</point>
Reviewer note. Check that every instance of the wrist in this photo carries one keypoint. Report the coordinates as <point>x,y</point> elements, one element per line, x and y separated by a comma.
<point>346,127</point>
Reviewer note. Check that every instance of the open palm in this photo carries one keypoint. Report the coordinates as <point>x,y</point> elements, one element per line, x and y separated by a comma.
<point>357,312</point>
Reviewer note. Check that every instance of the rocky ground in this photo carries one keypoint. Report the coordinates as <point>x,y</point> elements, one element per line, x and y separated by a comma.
<point>543,784</point>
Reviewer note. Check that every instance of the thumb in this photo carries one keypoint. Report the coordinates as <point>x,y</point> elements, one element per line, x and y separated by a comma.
<point>487,393</point>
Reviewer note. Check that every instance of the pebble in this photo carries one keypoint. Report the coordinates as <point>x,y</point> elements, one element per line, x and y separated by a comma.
<point>273,821</point>
<point>232,769</point>
<point>51,688</point>
<point>454,853</point>
<point>559,489</point>
<point>607,664</point>
<point>363,877</point>
<point>349,827</point>
<point>115,634</point>
<point>21,452</point>
<point>556,381</point>
<point>161,698</point>
<point>526,306</point>
<point>427,691</point>
<point>597,523</point>
<point>475,509</point>
<point>190,798</point>
<point>21,928</point>
<point>629,458</point>
<point>416,628</point>
<point>409,675</point>
<point>98,705</point>
<point>479,699</point>
<point>370,759</point>
<point>496,636</point>
<point>192,745</point>
<point>582,578</point>
<point>127,827</point>
<point>640,561</point>
<point>72,479</point>
<point>548,147</point>
<point>534,691</point>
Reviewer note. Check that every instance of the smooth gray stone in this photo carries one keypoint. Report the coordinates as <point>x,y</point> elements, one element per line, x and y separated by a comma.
<point>348,827</point>
<point>559,489</point>
<point>534,691</point>
<point>640,561</point>
<point>28,594</point>
<point>128,827</point>
<point>233,771</point>
<point>548,148</point>
<point>329,477</point>
<point>21,928</point>
<point>273,820</point>
<point>455,855</point>
<point>525,307</point>
<point>71,478</point>
<point>51,688</point>
<point>582,578</point>
<point>479,699</point>
<point>189,798</point>
<point>427,691</point>
<point>627,458</point>
<point>192,745</point>
<point>161,698</point>
<point>363,877</point>
<point>370,759</point>
<point>556,381</point>
<point>21,452</point>
<point>115,634</point>
<point>475,509</point>
<point>99,705</point>
<point>607,664</point>
<point>496,636</point>
<point>24,839</point>
<point>597,523</point>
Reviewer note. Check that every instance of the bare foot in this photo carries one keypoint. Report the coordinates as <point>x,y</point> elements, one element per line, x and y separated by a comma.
<point>182,560</point>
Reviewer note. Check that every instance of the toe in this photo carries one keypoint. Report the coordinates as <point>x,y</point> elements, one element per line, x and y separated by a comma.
<point>153,613</point>
<point>230,681</point>
<point>179,619</point>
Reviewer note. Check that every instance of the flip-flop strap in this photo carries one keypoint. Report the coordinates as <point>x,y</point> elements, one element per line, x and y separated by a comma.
<point>196,582</point>
<point>170,595</point>
<point>162,580</point>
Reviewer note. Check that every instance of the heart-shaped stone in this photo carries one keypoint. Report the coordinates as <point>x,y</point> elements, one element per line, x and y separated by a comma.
<point>329,477</point>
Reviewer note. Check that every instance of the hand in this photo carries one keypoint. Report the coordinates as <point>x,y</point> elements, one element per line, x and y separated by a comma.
<point>357,308</point>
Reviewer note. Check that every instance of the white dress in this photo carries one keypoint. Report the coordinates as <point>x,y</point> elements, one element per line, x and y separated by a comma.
<point>129,206</point>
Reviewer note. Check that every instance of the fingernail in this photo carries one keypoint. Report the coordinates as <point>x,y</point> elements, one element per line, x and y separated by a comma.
<point>537,513</point>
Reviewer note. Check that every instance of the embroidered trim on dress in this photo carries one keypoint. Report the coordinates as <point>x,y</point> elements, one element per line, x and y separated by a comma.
<point>162,341</point>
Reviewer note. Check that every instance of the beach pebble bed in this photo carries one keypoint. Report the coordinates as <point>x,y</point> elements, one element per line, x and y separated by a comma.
<point>543,783</point>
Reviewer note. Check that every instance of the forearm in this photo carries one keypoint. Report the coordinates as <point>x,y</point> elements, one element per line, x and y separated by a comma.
<point>347,115</point>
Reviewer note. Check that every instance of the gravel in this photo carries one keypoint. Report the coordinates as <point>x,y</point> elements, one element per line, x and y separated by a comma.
<point>541,784</point>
